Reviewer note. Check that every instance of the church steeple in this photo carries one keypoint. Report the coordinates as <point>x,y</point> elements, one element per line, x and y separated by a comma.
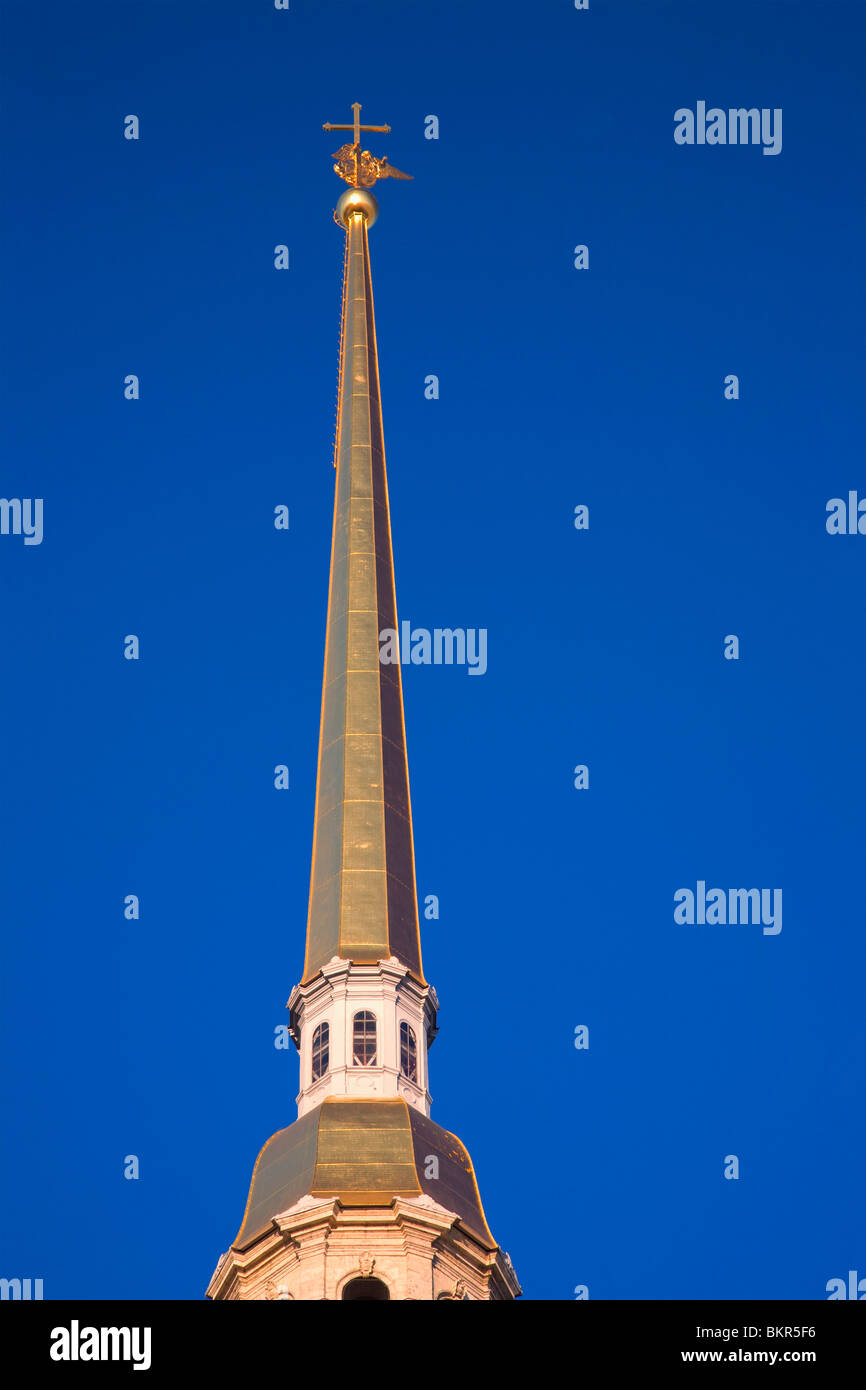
<point>363,903</point>
<point>363,1197</point>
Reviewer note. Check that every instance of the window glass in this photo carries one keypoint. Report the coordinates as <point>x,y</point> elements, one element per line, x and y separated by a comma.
<point>321,1050</point>
<point>364,1039</point>
<point>408,1053</point>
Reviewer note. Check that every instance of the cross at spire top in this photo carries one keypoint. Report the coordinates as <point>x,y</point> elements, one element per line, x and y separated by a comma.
<point>357,167</point>
<point>356,126</point>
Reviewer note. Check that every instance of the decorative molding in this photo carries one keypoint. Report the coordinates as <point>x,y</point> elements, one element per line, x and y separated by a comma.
<point>416,1247</point>
<point>278,1293</point>
<point>302,1204</point>
<point>333,996</point>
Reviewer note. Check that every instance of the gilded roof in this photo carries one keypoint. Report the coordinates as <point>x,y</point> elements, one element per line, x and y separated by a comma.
<point>363,900</point>
<point>366,1153</point>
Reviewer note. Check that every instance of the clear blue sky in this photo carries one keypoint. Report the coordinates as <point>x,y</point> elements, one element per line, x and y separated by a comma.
<point>558,387</point>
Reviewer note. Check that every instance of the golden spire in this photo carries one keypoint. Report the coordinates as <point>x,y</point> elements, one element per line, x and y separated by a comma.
<point>363,904</point>
<point>381,1202</point>
<point>358,167</point>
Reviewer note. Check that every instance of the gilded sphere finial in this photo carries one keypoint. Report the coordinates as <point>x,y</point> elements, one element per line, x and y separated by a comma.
<point>357,200</point>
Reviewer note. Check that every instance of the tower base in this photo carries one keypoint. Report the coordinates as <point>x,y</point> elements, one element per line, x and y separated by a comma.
<point>412,1249</point>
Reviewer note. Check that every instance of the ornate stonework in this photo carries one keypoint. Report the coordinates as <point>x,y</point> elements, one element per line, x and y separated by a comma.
<point>416,1250</point>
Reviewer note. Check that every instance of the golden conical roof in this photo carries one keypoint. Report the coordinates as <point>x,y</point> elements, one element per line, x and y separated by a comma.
<point>366,1153</point>
<point>363,904</point>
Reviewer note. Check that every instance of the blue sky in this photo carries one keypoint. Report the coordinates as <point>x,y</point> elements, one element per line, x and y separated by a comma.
<point>558,387</point>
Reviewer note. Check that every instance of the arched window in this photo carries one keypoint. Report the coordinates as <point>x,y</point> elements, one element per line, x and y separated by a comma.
<point>364,1039</point>
<point>365,1291</point>
<point>321,1050</point>
<point>408,1052</point>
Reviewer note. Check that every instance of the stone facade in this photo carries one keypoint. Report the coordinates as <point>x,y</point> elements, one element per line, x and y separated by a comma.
<point>414,1248</point>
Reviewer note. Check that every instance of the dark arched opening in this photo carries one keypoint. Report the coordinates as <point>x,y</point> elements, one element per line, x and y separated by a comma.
<point>366,1290</point>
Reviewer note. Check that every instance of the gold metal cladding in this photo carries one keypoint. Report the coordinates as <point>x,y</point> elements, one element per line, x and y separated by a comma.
<point>365,1148</point>
<point>357,167</point>
<point>363,899</point>
<point>365,1153</point>
<point>356,200</point>
<point>287,1159</point>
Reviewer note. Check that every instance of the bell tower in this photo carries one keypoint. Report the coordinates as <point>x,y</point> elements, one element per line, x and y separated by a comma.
<point>364,1197</point>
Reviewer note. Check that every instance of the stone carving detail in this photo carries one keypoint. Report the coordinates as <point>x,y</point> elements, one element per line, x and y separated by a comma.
<point>454,1293</point>
<point>277,1293</point>
<point>366,1264</point>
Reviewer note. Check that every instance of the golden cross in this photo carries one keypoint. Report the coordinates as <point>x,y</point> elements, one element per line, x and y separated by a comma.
<point>356,129</point>
<point>356,126</point>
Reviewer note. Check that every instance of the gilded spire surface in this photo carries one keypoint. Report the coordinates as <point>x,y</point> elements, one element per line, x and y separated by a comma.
<point>363,904</point>
<point>364,1196</point>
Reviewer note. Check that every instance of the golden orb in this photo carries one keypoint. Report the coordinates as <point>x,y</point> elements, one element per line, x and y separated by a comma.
<point>357,200</point>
